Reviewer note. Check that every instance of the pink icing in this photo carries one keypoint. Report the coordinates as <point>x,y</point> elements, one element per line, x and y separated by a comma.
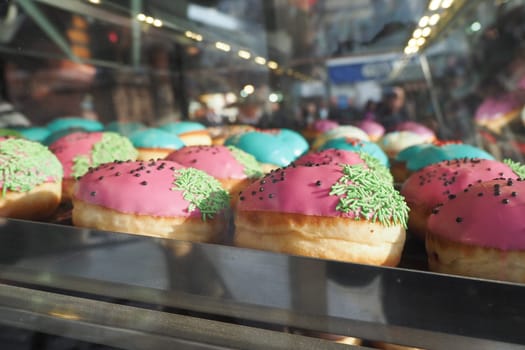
<point>417,128</point>
<point>496,107</point>
<point>372,128</point>
<point>143,188</point>
<point>435,183</point>
<point>216,161</point>
<point>492,220</point>
<point>68,147</point>
<point>329,156</point>
<point>325,125</point>
<point>299,190</point>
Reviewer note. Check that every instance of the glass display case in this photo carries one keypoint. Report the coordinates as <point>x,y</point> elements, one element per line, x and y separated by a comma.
<point>268,64</point>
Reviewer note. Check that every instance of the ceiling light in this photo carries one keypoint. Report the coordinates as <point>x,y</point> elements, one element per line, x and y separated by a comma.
<point>412,42</point>
<point>222,46</point>
<point>433,19</point>
<point>417,33</point>
<point>426,31</point>
<point>149,19</point>
<point>96,2</point>
<point>260,60</point>
<point>434,5</point>
<point>446,3</point>
<point>273,65</point>
<point>141,17</point>
<point>248,89</point>
<point>273,97</point>
<point>420,41</point>
<point>244,54</point>
<point>157,23</point>
<point>423,22</point>
<point>476,26</point>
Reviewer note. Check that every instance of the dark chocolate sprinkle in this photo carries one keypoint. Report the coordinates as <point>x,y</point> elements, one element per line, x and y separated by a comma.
<point>451,196</point>
<point>271,195</point>
<point>459,219</point>
<point>144,183</point>
<point>480,194</point>
<point>241,198</point>
<point>514,194</point>
<point>261,189</point>
<point>101,177</point>
<point>505,201</point>
<point>93,193</point>
<point>254,193</point>
<point>117,173</point>
<point>318,183</point>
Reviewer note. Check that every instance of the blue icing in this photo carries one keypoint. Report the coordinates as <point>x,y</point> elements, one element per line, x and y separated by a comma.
<point>124,128</point>
<point>434,155</point>
<point>60,133</point>
<point>265,147</point>
<point>182,127</point>
<point>412,151</point>
<point>74,122</point>
<point>37,133</point>
<point>155,138</point>
<point>363,146</point>
<point>294,140</point>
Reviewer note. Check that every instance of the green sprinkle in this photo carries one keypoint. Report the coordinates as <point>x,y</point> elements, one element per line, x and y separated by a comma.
<point>364,192</point>
<point>374,164</point>
<point>516,167</point>
<point>112,147</point>
<point>25,164</point>
<point>202,191</point>
<point>252,169</point>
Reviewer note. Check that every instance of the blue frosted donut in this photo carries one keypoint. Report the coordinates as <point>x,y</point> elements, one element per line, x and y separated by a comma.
<point>178,128</point>
<point>432,155</point>
<point>37,133</point>
<point>412,151</point>
<point>74,122</point>
<point>294,140</point>
<point>155,138</point>
<point>356,145</point>
<point>124,128</point>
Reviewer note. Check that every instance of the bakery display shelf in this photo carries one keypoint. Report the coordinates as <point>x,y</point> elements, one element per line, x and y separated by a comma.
<point>262,291</point>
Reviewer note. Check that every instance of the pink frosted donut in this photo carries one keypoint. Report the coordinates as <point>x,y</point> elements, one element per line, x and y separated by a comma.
<point>496,112</point>
<point>480,233</point>
<point>333,211</point>
<point>324,125</point>
<point>417,128</point>
<point>234,168</point>
<point>155,198</point>
<point>81,150</point>
<point>373,129</point>
<point>437,183</point>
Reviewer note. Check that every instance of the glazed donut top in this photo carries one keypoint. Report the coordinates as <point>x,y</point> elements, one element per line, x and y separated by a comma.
<point>266,147</point>
<point>340,156</point>
<point>435,154</point>
<point>496,107</point>
<point>159,188</point>
<point>437,183</point>
<point>81,150</point>
<point>36,133</point>
<point>357,145</point>
<point>155,138</point>
<point>372,128</point>
<point>178,128</point>
<point>489,214</point>
<point>324,125</point>
<point>221,162</point>
<point>339,132</point>
<point>74,122</point>
<point>124,128</point>
<point>25,164</point>
<point>396,141</point>
<point>417,128</point>
<point>349,191</point>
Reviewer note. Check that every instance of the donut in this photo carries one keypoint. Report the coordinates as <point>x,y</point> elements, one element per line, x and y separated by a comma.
<point>398,166</point>
<point>191,133</point>
<point>438,153</point>
<point>496,112</point>
<point>154,198</point>
<point>219,134</point>
<point>396,141</point>
<point>336,211</point>
<point>319,127</point>
<point>435,184</point>
<point>37,133</point>
<point>9,133</point>
<point>480,232</point>
<point>31,179</point>
<point>233,168</point>
<point>272,148</point>
<point>339,132</point>
<point>417,128</point>
<point>59,124</point>
<point>81,150</point>
<point>357,145</point>
<point>154,143</point>
<point>124,128</point>
<point>373,129</point>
